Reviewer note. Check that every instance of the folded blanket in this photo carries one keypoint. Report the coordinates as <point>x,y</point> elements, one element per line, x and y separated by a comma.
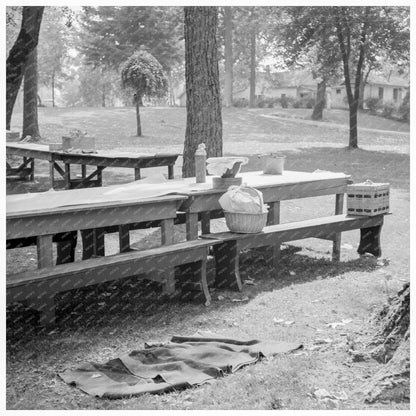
<point>181,363</point>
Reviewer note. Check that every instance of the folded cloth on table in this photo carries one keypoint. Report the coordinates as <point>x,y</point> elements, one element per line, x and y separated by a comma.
<point>181,363</point>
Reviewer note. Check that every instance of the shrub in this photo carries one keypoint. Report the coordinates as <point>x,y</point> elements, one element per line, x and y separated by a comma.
<point>388,108</point>
<point>404,109</point>
<point>240,102</point>
<point>373,104</point>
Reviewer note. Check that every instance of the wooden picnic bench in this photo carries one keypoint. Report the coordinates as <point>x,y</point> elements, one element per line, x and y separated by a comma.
<point>227,253</point>
<point>38,288</point>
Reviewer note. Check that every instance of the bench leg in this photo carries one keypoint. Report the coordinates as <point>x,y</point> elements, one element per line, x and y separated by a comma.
<point>273,217</point>
<point>193,281</point>
<point>46,308</point>
<point>370,241</point>
<point>227,266</point>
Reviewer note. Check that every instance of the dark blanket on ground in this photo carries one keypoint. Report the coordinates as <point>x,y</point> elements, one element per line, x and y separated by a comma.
<point>178,364</point>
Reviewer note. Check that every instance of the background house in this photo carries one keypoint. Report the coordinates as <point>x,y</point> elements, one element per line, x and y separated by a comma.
<point>390,87</point>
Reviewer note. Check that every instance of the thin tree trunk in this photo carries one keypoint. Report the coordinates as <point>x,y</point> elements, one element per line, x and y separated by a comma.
<point>252,100</point>
<point>318,109</point>
<point>30,97</point>
<point>203,99</point>
<point>362,89</point>
<point>53,88</point>
<point>139,125</point>
<point>26,41</point>
<point>228,52</point>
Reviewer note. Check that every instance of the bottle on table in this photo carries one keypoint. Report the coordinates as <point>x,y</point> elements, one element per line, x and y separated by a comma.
<point>200,163</point>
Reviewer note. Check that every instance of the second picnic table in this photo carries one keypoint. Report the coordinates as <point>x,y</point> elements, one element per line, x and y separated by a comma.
<point>101,159</point>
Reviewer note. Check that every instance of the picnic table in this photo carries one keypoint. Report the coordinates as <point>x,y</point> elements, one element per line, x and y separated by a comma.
<point>61,162</point>
<point>45,214</point>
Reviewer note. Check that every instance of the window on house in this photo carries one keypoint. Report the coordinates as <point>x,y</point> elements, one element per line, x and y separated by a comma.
<point>338,90</point>
<point>380,93</point>
<point>283,96</point>
<point>395,94</point>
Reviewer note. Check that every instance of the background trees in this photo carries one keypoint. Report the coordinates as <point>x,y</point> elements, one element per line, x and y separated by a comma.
<point>203,100</point>
<point>353,37</point>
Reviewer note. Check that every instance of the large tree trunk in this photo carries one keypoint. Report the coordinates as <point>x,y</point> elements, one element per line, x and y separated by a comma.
<point>30,97</point>
<point>318,109</point>
<point>228,53</point>
<point>26,41</point>
<point>252,100</point>
<point>203,99</point>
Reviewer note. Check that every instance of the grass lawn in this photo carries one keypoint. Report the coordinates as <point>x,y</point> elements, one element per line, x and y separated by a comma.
<point>97,324</point>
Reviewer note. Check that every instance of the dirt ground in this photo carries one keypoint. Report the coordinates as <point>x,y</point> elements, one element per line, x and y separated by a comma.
<point>323,305</point>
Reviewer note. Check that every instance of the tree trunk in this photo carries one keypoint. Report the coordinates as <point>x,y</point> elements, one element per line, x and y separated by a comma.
<point>138,101</point>
<point>362,88</point>
<point>26,41</point>
<point>103,97</point>
<point>228,53</point>
<point>30,97</point>
<point>53,88</point>
<point>392,349</point>
<point>318,109</point>
<point>252,100</point>
<point>203,98</point>
<point>353,141</point>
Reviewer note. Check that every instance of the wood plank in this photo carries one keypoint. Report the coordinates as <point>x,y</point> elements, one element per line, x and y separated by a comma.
<point>326,225</point>
<point>181,253</point>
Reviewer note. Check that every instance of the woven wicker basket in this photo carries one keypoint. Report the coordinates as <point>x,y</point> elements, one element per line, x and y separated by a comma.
<point>368,198</point>
<point>243,222</point>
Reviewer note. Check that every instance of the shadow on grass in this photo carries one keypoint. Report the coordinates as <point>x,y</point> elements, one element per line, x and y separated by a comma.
<point>360,164</point>
<point>115,305</point>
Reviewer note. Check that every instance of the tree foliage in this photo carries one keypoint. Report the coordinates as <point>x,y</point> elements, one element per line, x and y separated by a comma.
<point>354,37</point>
<point>109,35</point>
<point>144,75</point>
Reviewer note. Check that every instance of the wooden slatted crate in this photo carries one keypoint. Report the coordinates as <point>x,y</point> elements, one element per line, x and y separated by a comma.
<point>368,198</point>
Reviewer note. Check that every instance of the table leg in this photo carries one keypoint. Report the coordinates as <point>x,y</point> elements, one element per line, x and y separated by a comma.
<point>100,175</point>
<point>92,243</point>
<point>205,223</point>
<point>67,176</point>
<point>83,171</point>
<point>52,174</point>
<point>168,229</point>
<point>137,174</point>
<point>336,246</point>
<point>32,169</point>
<point>65,247</point>
<point>191,226</point>
<point>171,174</point>
<point>124,238</point>
<point>45,251</point>
<point>273,217</point>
